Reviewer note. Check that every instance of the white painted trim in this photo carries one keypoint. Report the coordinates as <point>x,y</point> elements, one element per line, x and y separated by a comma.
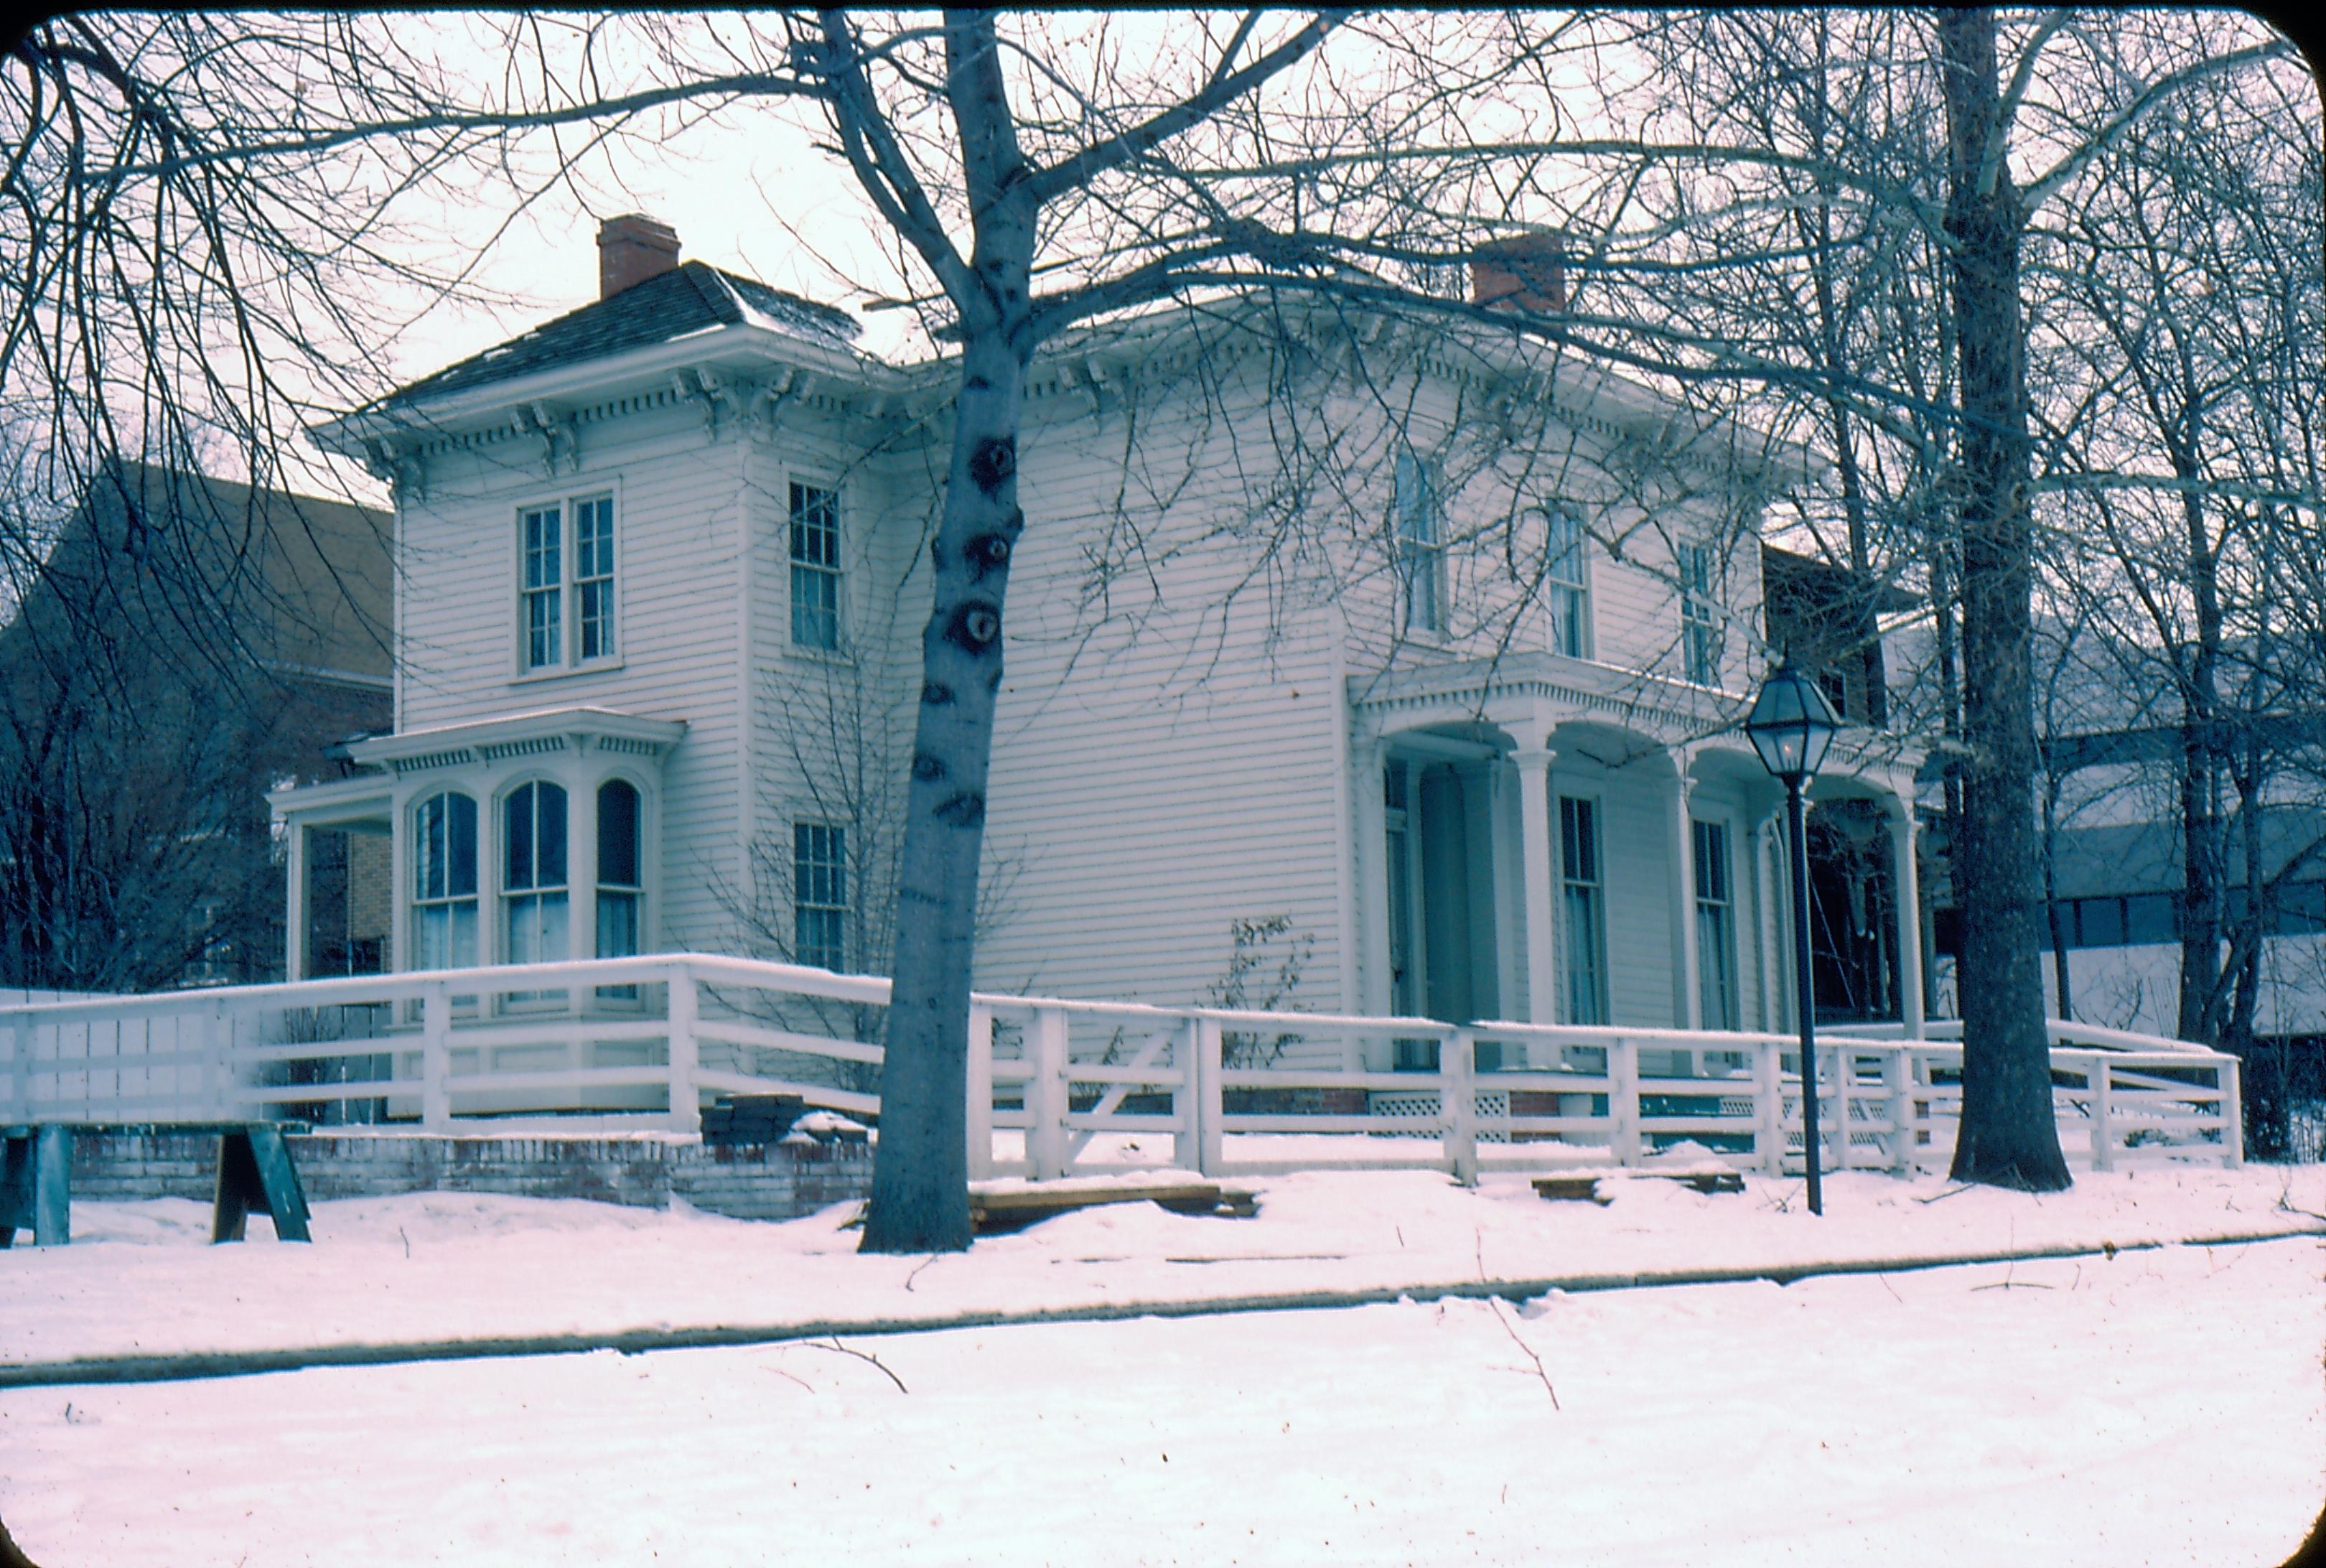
<point>1345,847</point>
<point>591,721</point>
<point>569,609</point>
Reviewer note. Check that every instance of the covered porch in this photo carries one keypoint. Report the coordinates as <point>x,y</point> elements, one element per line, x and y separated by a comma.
<point>1538,850</point>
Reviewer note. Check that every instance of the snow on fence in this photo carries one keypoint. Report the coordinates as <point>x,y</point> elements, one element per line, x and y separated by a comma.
<point>1059,1086</point>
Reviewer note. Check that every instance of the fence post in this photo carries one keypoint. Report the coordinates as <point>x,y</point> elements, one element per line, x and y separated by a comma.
<point>1197,1098</point>
<point>1769,1107</point>
<point>685,1051</point>
<point>1845,1070</point>
<point>2097,1075</point>
<point>435,1052</point>
<point>1457,1091</point>
<point>226,1029</point>
<point>977,1120</point>
<point>1624,1099</point>
<point>1046,1099</point>
<point>1898,1081</point>
<point>2226,1073</point>
<point>20,1069</point>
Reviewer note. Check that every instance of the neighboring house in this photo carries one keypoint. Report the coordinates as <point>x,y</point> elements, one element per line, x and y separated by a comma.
<point>1417,653</point>
<point>2117,887</point>
<point>186,644</point>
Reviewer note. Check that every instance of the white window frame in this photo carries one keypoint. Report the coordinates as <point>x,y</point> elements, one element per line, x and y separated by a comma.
<point>508,897</point>
<point>1697,570</point>
<point>607,888</point>
<point>420,900</point>
<point>566,595</point>
<point>1418,517</point>
<point>799,566</point>
<point>1722,906</point>
<point>1572,632</point>
<point>835,907</point>
<point>1594,885</point>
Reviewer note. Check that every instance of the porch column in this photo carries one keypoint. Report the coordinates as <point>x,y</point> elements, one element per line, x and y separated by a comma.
<point>1536,884</point>
<point>1689,1009</point>
<point>294,868</point>
<point>1907,880</point>
<point>1769,923</point>
<point>1372,959</point>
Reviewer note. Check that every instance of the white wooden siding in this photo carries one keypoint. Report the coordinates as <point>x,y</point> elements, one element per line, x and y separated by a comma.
<point>677,595</point>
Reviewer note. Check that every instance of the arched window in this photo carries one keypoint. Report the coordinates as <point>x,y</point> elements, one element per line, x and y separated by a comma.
<point>621,888</point>
<point>444,882</point>
<point>532,874</point>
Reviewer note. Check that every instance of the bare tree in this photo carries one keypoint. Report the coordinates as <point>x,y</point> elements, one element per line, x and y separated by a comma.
<point>134,850</point>
<point>1034,176</point>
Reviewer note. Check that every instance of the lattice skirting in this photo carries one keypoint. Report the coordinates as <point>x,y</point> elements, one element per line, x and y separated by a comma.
<point>1421,1105</point>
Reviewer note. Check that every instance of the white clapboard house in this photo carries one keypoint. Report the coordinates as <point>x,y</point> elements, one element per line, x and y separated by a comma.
<point>1353,666</point>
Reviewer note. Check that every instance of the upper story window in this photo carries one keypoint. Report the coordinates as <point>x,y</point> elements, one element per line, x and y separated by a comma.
<point>444,882</point>
<point>1699,612</point>
<point>1836,687</point>
<point>565,584</point>
<point>815,567</point>
<point>1420,549</point>
<point>1569,585</point>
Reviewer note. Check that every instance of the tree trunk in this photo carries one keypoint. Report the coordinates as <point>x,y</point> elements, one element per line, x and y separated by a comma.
<point>2204,851</point>
<point>920,1169</point>
<point>920,1178</point>
<point>2007,1137</point>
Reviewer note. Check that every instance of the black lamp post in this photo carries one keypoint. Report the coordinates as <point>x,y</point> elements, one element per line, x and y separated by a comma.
<point>1791,724</point>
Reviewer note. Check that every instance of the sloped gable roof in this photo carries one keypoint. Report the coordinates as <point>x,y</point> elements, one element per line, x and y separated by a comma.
<point>691,297</point>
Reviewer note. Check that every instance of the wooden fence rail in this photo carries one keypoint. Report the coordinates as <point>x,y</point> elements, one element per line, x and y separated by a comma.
<point>1059,1085</point>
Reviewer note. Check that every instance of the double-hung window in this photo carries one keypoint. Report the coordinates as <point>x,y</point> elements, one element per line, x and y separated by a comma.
<point>820,895</point>
<point>1568,586</point>
<point>1716,926</point>
<point>815,567</point>
<point>1420,549</point>
<point>565,584</point>
<point>1699,612</point>
<point>1584,910</point>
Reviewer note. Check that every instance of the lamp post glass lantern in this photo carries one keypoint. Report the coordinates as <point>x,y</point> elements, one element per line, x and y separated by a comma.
<point>1792,726</point>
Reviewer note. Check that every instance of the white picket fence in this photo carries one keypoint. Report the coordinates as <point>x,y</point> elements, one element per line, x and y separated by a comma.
<point>1058,1087</point>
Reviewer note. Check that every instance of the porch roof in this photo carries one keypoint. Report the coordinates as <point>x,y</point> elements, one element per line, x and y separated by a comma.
<point>491,740</point>
<point>1669,709</point>
<point>1552,689</point>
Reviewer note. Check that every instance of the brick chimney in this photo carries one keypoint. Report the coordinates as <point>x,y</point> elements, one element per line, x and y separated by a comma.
<point>632,248</point>
<point>1527,272</point>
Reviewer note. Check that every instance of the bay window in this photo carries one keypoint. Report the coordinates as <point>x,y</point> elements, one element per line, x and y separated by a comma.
<point>532,874</point>
<point>444,882</point>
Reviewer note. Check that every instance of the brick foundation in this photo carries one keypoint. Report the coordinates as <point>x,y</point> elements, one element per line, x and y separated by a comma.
<point>746,1182</point>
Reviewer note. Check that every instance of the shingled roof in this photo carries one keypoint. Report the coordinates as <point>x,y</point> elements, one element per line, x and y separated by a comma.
<point>688,298</point>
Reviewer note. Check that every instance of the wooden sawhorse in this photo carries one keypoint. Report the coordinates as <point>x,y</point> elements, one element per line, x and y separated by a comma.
<point>253,1170</point>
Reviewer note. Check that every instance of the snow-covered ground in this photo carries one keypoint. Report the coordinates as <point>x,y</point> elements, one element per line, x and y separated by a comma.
<point>2155,1406</point>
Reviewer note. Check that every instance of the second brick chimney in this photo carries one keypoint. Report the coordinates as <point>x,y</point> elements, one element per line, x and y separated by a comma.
<point>632,248</point>
<point>1527,272</point>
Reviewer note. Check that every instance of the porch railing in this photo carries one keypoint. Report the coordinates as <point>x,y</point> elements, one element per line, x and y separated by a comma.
<point>1058,1086</point>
